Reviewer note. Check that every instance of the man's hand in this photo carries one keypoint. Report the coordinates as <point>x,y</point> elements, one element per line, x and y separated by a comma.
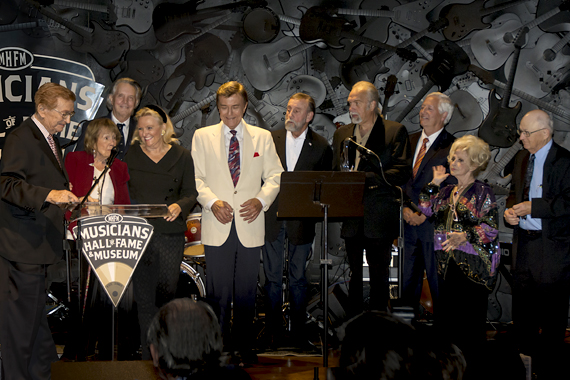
<point>222,211</point>
<point>61,196</point>
<point>250,210</point>
<point>416,220</point>
<point>412,218</point>
<point>523,209</point>
<point>511,217</point>
<point>174,210</point>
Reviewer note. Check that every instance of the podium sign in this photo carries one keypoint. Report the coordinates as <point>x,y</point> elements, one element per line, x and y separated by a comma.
<point>113,245</point>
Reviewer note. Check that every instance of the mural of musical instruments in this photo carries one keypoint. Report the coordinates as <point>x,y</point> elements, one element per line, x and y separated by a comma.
<point>496,59</point>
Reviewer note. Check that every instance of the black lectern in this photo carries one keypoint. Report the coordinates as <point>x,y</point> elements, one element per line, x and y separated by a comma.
<point>322,195</point>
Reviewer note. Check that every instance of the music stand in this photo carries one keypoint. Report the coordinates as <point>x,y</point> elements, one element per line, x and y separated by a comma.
<point>309,194</point>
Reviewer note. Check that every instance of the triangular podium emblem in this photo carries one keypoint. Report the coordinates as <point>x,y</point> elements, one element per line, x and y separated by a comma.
<point>113,245</point>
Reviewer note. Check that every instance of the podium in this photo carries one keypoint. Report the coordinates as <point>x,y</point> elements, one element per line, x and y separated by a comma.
<point>113,238</point>
<point>323,195</point>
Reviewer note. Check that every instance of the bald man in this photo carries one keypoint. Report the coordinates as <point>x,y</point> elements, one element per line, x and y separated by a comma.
<point>541,242</point>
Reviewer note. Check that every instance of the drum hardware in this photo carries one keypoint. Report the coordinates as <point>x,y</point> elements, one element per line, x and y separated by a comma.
<point>190,283</point>
<point>56,308</point>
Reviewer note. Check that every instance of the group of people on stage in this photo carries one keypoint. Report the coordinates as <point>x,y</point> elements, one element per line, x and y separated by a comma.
<point>233,171</point>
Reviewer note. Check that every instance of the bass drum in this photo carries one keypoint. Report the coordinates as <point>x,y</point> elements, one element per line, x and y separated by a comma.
<point>190,282</point>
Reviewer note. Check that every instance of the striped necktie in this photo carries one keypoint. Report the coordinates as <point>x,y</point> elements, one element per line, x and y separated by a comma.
<point>421,155</point>
<point>54,149</point>
<point>233,158</point>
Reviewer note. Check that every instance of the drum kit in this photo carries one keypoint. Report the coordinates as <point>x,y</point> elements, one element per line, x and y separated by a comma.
<point>193,265</point>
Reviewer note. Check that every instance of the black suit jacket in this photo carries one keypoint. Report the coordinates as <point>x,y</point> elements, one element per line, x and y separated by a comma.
<point>389,140</point>
<point>436,155</point>
<point>123,146</point>
<point>31,230</point>
<point>316,155</point>
<point>553,209</point>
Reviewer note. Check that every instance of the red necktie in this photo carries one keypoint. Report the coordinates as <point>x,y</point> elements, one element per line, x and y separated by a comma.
<point>53,148</point>
<point>421,155</point>
<point>233,158</point>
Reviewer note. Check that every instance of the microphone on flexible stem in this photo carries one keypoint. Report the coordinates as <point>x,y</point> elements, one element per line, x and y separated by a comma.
<point>364,150</point>
<point>114,153</point>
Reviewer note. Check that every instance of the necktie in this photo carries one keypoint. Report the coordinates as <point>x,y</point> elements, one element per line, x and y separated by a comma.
<point>421,155</point>
<point>528,177</point>
<point>233,158</point>
<point>123,138</point>
<point>54,149</point>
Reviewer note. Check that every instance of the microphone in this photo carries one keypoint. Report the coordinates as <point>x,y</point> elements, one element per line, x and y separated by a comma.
<point>114,153</point>
<point>362,149</point>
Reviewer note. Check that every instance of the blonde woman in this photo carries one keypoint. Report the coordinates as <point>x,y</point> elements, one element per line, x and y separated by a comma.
<point>162,172</point>
<point>465,241</point>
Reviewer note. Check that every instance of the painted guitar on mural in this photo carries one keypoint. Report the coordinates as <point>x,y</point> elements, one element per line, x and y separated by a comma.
<point>500,126</point>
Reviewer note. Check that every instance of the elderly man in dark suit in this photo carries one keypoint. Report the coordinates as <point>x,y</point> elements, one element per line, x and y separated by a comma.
<point>124,98</point>
<point>541,242</point>
<point>299,149</point>
<point>376,231</point>
<point>431,147</point>
<point>32,181</point>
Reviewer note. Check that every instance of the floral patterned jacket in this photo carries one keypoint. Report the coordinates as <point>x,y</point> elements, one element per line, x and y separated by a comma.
<point>477,215</point>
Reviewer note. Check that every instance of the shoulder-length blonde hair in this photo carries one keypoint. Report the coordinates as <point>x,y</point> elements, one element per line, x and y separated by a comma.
<point>161,118</point>
<point>477,150</point>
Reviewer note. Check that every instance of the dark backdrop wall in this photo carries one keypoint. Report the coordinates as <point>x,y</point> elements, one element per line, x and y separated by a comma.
<point>181,51</point>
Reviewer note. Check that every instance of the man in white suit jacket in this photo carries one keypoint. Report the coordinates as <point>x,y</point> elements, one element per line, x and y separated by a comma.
<point>233,226</point>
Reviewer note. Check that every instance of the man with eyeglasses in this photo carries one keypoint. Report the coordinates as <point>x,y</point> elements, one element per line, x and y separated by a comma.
<point>33,181</point>
<point>541,243</point>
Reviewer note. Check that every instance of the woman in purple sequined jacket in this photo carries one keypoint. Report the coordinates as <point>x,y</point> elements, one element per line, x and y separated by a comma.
<point>465,241</point>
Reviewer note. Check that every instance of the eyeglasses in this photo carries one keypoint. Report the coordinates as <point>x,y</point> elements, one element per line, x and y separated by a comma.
<point>66,114</point>
<point>527,133</point>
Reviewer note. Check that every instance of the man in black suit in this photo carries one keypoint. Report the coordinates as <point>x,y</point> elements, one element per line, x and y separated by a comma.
<point>122,102</point>
<point>299,149</point>
<point>541,242</point>
<point>32,181</point>
<point>376,231</point>
<point>431,147</point>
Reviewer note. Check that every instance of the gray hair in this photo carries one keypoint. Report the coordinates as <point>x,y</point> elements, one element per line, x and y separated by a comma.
<point>132,82</point>
<point>444,104</point>
<point>372,92</point>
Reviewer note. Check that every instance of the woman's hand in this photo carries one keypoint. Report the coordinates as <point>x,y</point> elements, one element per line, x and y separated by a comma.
<point>454,240</point>
<point>174,210</point>
<point>439,174</point>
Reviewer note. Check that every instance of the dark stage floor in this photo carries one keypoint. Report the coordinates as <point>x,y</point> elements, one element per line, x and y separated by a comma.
<point>286,363</point>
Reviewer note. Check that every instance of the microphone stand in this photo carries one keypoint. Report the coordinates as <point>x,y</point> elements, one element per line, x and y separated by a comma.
<point>76,214</point>
<point>365,152</point>
<point>71,140</point>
